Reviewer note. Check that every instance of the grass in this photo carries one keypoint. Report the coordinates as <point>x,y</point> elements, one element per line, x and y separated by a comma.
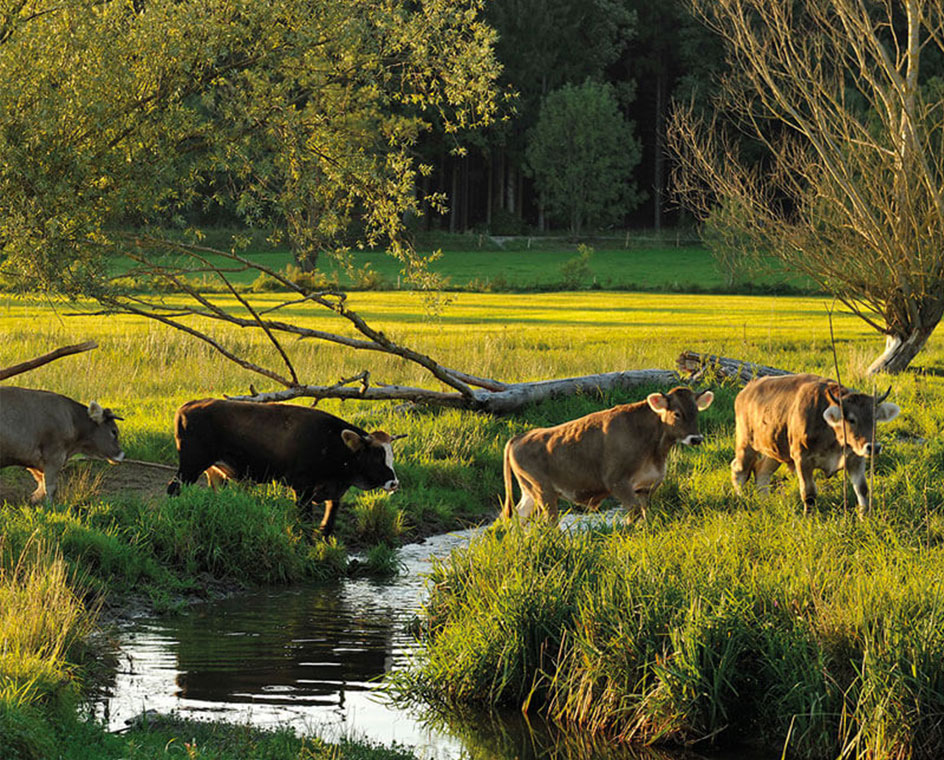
<point>624,632</point>
<point>822,635</point>
<point>477,262</point>
<point>43,624</point>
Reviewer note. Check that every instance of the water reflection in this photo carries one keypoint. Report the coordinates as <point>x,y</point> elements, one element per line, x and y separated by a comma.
<point>311,658</point>
<point>515,737</point>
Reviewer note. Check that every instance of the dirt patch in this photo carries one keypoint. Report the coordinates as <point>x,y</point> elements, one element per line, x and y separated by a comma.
<point>84,479</point>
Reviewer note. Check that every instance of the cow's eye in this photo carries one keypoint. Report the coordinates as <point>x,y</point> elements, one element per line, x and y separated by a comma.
<point>850,419</point>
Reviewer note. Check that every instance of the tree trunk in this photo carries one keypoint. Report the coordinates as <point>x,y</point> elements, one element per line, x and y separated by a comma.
<point>900,350</point>
<point>658,167</point>
<point>490,194</point>
<point>505,398</point>
<point>454,196</point>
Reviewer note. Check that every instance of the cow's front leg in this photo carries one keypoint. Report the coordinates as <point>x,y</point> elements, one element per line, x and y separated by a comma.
<point>330,514</point>
<point>855,469</point>
<point>804,470</point>
<point>40,493</point>
<point>633,501</point>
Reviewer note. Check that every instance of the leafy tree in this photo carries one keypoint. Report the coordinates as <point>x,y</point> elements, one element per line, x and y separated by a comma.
<point>846,100</point>
<point>581,153</point>
<point>299,112</point>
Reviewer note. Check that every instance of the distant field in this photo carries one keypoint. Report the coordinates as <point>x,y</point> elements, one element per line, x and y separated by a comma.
<point>477,262</point>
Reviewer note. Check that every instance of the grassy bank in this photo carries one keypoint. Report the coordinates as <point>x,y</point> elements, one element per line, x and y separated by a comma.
<point>820,635</point>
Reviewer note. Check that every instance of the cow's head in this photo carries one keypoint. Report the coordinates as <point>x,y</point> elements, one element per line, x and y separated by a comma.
<point>102,440</point>
<point>678,409</point>
<point>373,460</point>
<point>853,417</point>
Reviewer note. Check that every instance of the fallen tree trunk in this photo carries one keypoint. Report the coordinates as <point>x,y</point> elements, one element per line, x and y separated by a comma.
<point>39,361</point>
<point>696,366</point>
<point>509,398</point>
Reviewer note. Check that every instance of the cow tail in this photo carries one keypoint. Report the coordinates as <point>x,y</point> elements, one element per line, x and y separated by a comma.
<point>508,507</point>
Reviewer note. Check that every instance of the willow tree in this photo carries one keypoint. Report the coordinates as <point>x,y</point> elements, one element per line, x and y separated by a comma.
<point>123,118</point>
<point>847,186</point>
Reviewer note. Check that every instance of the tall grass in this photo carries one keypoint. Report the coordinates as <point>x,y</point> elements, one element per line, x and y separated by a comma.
<point>823,634</point>
<point>42,621</point>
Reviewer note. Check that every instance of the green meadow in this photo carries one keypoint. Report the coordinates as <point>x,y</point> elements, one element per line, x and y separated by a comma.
<point>719,618</point>
<point>482,263</point>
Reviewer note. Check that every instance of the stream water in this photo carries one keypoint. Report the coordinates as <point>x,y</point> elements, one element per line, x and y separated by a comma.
<point>312,658</point>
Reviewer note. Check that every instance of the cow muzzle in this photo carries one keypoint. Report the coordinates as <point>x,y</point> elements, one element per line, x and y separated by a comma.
<point>391,485</point>
<point>871,449</point>
<point>117,459</point>
<point>693,440</point>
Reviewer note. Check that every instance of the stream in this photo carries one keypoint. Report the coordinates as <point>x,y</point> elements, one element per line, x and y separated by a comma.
<point>312,658</point>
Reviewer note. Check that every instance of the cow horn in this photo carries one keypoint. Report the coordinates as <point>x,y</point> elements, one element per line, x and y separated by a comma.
<point>884,396</point>
<point>398,437</point>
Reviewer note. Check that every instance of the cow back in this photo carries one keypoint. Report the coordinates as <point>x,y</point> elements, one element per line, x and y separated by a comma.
<point>267,441</point>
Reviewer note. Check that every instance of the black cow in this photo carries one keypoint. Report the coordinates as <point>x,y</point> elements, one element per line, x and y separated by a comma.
<point>317,454</point>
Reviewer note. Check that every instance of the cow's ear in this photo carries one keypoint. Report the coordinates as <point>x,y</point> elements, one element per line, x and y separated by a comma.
<point>833,415</point>
<point>658,402</point>
<point>96,413</point>
<point>887,412</point>
<point>352,440</point>
<point>703,400</point>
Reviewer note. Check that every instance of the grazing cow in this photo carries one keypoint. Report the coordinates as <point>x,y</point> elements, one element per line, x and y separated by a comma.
<point>315,453</point>
<point>806,422</point>
<point>618,452</point>
<point>40,430</point>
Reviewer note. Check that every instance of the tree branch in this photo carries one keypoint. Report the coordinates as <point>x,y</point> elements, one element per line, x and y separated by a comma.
<point>39,361</point>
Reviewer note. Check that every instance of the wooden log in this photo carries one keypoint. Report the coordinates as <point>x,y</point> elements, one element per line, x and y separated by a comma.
<point>510,398</point>
<point>697,366</point>
<point>517,395</point>
<point>39,361</point>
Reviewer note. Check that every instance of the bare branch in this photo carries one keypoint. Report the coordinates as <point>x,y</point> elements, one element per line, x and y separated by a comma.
<point>39,361</point>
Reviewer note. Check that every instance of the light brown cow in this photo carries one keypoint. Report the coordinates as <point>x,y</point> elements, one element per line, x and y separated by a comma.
<point>808,423</point>
<point>40,430</point>
<point>618,452</point>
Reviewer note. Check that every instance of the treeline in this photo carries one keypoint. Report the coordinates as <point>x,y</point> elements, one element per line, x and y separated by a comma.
<point>640,55</point>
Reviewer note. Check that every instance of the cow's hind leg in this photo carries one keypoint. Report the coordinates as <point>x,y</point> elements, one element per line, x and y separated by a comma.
<point>525,507</point>
<point>742,466</point>
<point>764,468</point>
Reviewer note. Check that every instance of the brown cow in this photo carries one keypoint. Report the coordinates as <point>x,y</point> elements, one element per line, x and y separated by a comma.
<point>618,452</point>
<point>40,430</point>
<point>808,423</point>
